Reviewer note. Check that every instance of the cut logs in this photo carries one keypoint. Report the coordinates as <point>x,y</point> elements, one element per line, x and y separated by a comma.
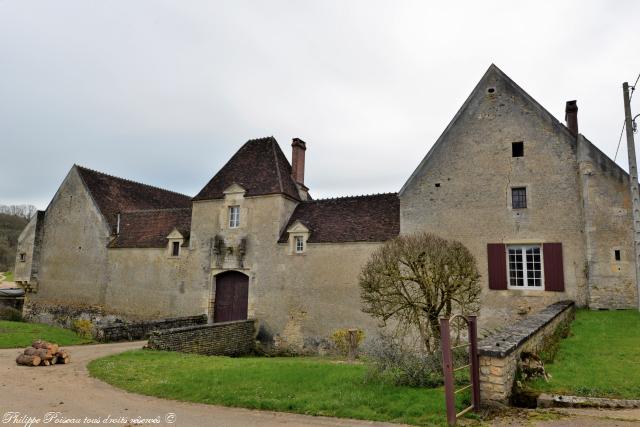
<point>43,353</point>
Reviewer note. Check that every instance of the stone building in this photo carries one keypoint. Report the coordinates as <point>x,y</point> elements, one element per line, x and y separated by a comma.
<point>546,214</point>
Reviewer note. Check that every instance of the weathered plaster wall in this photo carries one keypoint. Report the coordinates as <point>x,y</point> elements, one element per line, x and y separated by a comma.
<point>608,227</point>
<point>475,170</point>
<point>150,284</point>
<point>74,248</point>
<point>22,273</point>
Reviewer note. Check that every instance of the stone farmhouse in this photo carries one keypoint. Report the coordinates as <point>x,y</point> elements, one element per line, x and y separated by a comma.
<point>545,212</point>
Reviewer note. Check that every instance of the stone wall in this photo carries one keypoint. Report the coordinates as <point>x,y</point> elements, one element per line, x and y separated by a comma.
<point>217,339</point>
<point>141,330</point>
<point>500,353</point>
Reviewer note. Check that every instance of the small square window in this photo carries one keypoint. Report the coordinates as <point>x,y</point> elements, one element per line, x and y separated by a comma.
<point>23,257</point>
<point>234,216</point>
<point>617,255</point>
<point>517,149</point>
<point>518,197</point>
<point>175,249</point>
<point>299,241</point>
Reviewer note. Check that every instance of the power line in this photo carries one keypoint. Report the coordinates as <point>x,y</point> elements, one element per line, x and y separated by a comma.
<point>633,90</point>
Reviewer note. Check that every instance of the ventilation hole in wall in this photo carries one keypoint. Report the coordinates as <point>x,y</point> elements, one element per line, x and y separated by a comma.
<point>437,184</point>
<point>616,254</point>
<point>491,90</point>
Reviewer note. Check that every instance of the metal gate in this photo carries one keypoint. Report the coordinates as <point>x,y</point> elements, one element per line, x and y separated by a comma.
<point>448,369</point>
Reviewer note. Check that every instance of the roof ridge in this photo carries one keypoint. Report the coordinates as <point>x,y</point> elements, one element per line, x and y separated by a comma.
<point>359,196</point>
<point>156,210</point>
<point>130,180</point>
<point>275,159</point>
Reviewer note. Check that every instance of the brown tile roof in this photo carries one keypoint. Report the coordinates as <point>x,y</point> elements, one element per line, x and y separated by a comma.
<point>372,218</point>
<point>150,228</point>
<point>259,166</point>
<point>115,195</point>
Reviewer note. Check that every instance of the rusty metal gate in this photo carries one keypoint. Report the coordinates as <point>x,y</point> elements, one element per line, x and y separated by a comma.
<point>449,370</point>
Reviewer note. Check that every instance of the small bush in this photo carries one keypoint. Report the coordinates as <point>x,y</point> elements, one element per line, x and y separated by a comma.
<point>83,327</point>
<point>340,338</point>
<point>394,362</point>
<point>11,314</point>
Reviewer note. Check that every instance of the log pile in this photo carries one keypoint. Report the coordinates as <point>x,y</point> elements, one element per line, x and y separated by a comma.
<point>42,353</point>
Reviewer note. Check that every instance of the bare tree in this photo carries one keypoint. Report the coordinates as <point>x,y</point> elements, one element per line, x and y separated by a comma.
<point>412,280</point>
<point>24,211</point>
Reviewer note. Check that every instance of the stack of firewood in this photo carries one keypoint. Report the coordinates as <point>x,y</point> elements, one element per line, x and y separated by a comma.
<point>42,353</point>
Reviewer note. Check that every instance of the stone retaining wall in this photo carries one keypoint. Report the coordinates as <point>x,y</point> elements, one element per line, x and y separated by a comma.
<point>143,329</point>
<point>500,353</point>
<point>217,339</point>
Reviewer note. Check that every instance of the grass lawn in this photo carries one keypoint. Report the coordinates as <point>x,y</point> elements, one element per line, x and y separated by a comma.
<point>303,385</point>
<point>600,358</point>
<point>22,334</point>
<point>8,276</point>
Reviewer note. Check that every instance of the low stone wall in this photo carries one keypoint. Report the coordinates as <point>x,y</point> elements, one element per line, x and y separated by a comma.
<point>140,330</point>
<point>217,339</point>
<point>500,353</point>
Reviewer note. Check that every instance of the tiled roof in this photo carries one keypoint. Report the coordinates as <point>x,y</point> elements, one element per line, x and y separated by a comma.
<point>372,218</point>
<point>115,195</point>
<point>150,228</point>
<point>259,166</point>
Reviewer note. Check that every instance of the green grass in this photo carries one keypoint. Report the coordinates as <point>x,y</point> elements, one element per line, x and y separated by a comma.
<point>601,357</point>
<point>8,276</point>
<point>22,334</point>
<point>302,385</point>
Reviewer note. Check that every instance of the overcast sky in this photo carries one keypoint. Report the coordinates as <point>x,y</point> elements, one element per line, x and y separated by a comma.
<point>164,92</point>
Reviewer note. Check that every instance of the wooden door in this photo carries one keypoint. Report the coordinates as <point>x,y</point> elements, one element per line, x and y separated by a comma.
<point>232,297</point>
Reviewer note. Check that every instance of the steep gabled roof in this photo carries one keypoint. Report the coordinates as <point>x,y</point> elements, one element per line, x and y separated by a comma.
<point>372,218</point>
<point>115,195</point>
<point>492,71</point>
<point>259,166</point>
<point>150,228</point>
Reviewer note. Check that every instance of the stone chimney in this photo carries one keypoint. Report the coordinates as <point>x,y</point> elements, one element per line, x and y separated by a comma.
<point>297,160</point>
<point>571,116</point>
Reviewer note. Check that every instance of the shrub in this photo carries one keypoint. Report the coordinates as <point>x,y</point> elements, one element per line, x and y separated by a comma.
<point>340,338</point>
<point>398,363</point>
<point>83,327</point>
<point>10,313</point>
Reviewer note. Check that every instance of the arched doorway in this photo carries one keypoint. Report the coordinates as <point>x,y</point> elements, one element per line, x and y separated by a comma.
<point>232,296</point>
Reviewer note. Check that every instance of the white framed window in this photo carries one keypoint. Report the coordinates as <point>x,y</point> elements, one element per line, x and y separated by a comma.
<point>299,244</point>
<point>234,216</point>
<point>525,268</point>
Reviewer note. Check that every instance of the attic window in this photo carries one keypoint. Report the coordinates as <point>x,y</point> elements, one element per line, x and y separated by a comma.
<point>234,216</point>
<point>491,90</point>
<point>175,248</point>
<point>23,257</point>
<point>299,242</point>
<point>517,149</point>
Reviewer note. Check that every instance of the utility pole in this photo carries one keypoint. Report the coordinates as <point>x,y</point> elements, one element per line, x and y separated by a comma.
<point>633,183</point>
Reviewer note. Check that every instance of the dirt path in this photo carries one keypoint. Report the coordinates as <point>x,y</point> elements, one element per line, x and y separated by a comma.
<point>69,391</point>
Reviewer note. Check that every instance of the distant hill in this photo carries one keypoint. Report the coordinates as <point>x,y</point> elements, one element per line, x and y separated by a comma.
<point>10,228</point>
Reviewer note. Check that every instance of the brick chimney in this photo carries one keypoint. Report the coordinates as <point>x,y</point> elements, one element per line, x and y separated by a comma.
<point>297,160</point>
<point>571,116</point>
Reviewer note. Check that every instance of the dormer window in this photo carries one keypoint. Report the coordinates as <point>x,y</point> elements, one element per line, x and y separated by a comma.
<point>234,216</point>
<point>299,244</point>
<point>175,248</point>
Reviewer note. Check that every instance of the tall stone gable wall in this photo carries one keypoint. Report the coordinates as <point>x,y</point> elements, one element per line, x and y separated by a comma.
<point>463,192</point>
<point>608,227</point>
<point>73,254</point>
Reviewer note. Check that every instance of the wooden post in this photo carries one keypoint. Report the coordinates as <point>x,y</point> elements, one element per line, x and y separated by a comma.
<point>447,370</point>
<point>353,343</point>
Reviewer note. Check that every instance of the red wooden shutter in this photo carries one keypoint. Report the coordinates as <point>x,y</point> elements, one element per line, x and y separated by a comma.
<point>553,267</point>
<point>497,256</point>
